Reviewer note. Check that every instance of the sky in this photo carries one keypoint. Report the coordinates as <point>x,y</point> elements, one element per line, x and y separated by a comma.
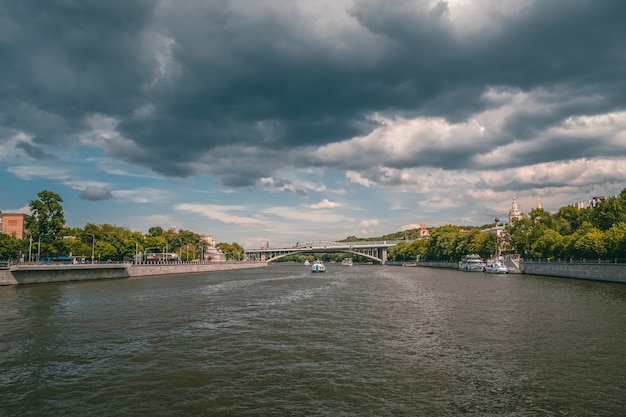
<point>288,121</point>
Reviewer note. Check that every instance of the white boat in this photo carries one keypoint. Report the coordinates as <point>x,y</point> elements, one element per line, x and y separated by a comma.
<point>472,263</point>
<point>318,266</point>
<point>307,263</point>
<point>496,267</point>
<point>347,262</point>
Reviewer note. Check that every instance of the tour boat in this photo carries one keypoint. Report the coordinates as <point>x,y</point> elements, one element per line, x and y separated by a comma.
<point>318,266</point>
<point>472,263</point>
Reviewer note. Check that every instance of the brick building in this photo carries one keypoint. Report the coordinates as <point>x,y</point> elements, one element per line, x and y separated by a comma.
<point>13,223</point>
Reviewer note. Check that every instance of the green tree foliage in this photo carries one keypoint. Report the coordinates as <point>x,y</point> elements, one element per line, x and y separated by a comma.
<point>155,231</point>
<point>408,251</point>
<point>608,213</point>
<point>568,219</point>
<point>443,243</point>
<point>615,240</point>
<point>549,245</point>
<point>587,242</point>
<point>10,247</point>
<point>233,251</point>
<point>47,219</point>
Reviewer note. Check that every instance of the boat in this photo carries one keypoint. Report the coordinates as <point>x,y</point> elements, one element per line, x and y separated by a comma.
<point>347,262</point>
<point>495,264</point>
<point>307,263</point>
<point>472,263</point>
<point>496,267</point>
<point>318,266</point>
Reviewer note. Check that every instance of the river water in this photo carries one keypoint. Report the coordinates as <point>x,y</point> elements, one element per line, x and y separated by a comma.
<point>280,341</point>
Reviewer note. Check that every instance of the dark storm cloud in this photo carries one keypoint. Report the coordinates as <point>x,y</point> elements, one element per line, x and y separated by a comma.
<point>192,84</point>
<point>95,193</point>
<point>35,152</point>
<point>63,60</point>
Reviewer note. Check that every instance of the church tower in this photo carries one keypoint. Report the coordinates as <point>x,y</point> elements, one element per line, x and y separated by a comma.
<point>514,213</point>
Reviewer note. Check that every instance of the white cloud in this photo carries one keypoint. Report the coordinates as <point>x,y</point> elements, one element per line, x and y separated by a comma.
<point>369,223</point>
<point>356,178</point>
<point>29,172</point>
<point>324,204</point>
<point>225,214</point>
<point>305,214</point>
<point>143,195</point>
<point>410,227</point>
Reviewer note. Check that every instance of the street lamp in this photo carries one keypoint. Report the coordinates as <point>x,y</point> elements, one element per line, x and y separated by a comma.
<point>496,230</point>
<point>93,245</point>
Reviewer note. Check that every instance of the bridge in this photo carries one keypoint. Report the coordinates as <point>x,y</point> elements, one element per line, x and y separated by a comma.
<point>376,251</point>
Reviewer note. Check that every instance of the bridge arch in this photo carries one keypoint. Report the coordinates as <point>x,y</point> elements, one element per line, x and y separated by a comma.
<point>376,251</point>
<point>284,255</point>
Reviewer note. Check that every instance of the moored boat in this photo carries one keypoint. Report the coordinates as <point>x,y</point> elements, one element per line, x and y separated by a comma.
<point>472,263</point>
<point>347,262</point>
<point>496,267</point>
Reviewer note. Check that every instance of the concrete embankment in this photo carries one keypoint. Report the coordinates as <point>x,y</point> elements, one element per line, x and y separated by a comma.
<point>38,274</point>
<point>610,272</point>
<point>442,264</point>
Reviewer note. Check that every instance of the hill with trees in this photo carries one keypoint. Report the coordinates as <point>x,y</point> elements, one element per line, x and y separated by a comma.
<point>592,232</point>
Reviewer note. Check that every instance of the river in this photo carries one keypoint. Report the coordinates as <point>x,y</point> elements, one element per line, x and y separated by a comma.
<point>279,341</point>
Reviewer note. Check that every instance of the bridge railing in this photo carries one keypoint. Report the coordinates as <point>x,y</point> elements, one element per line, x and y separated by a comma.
<point>329,245</point>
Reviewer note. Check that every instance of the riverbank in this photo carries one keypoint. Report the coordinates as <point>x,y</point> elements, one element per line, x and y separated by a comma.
<point>40,274</point>
<point>593,271</point>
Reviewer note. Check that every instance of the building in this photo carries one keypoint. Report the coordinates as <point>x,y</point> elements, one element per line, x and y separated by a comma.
<point>593,203</point>
<point>13,224</point>
<point>210,251</point>
<point>423,231</point>
<point>515,214</point>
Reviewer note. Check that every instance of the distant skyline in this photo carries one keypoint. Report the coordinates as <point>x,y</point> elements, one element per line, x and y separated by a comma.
<point>293,121</point>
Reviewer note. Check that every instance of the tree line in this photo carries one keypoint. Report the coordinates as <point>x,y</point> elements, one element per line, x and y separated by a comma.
<point>592,232</point>
<point>47,236</point>
<point>570,233</point>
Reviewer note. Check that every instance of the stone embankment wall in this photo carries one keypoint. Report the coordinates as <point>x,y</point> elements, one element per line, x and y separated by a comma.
<point>437,264</point>
<point>592,271</point>
<point>609,272</point>
<point>38,274</point>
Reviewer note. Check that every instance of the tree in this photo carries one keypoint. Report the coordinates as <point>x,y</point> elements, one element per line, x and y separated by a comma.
<point>608,213</point>
<point>232,250</point>
<point>155,231</point>
<point>408,251</point>
<point>9,247</point>
<point>586,242</point>
<point>616,241</point>
<point>549,245</point>
<point>591,244</point>
<point>47,217</point>
<point>443,243</point>
<point>567,220</point>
